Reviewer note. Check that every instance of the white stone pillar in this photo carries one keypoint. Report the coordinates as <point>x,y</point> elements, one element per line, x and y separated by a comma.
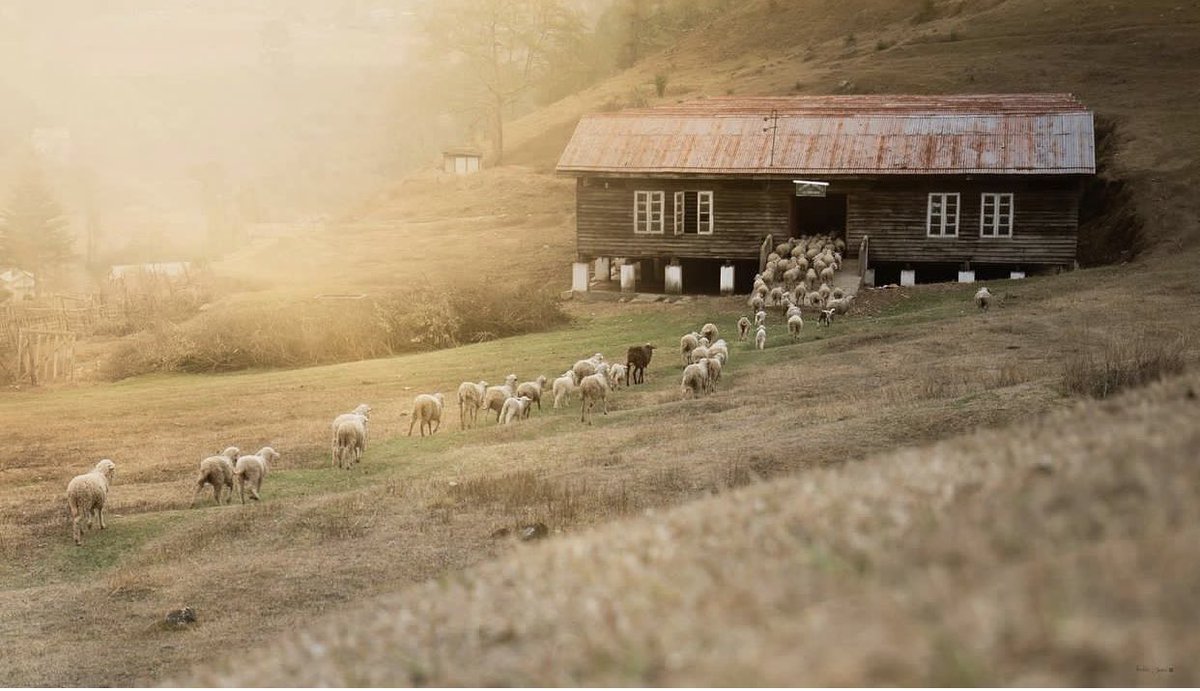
<point>966,276</point>
<point>628,278</point>
<point>579,277</point>
<point>869,278</point>
<point>602,269</point>
<point>673,279</point>
<point>1014,275</point>
<point>908,277</point>
<point>727,279</point>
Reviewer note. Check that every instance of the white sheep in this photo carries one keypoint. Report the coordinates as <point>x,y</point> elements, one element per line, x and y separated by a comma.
<point>827,274</point>
<point>470,400</point>
<point>516,408</point>
<point>695,380</point>
<point>699,353</point>
<point>760,338</point>
<point>218,472</point>
<point>760,318</point>
<point>587,366</point>
<point>719,350</point>
<point>795,324</point>
<point>351,440</point>
<point>86,496</point>
<point>361,412</point>
<point>616,374</point>
<point>562,388</point>
<point>810,276</point>
<point>714,373</point>
<point>757,303</point>
<point>687,343</point>
<point>743,325</point>
<point>983,298</point>
<point>792,311</point>
<point>251,470</point>
<point>776,297</point>
<point>815,299</point>
<point>841,306</point>
<point>709,331</point>
<point>593,389</point>
<point>427,410</point>
<point>495,396</point>
<point>533,390</point>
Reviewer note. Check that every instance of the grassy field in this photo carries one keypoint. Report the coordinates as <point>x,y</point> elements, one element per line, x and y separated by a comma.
<point>909,367</point>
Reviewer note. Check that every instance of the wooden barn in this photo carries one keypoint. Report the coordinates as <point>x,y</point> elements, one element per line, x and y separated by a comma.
<point>921,187</point>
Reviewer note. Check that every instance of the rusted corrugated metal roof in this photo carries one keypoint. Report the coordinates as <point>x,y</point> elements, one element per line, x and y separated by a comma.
<point>846,135</point>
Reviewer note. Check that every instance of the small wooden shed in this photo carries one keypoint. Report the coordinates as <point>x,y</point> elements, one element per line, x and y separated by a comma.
<point>462,160</point>
<point>930,184</point>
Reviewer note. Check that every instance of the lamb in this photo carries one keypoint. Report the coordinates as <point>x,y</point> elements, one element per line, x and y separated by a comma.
<point>743,325</point>
<point>795,324</point>
<point>593,389</point>
<point>427,410</point>
<point>695,380</point>
<point>86,496</point>
<point>826,318</point>
<point>709,331</point>
<point>251,470</point>
<point>760,318</point>
<point>637,359</point>
<point>533,390</point>
<point>616,374</point>
<point>983,298</point>
<point>470,400</point>
<point>562,388</point>
<point>361,412</point>
<point>516,408</point>
<point>218,472</point>
<point>760,338</point>
<point>351,440</point>
<point>687,343</point>
<point>714,373</point>
<point>495,396</point>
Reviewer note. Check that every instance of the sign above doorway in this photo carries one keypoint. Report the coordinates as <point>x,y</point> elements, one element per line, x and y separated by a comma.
<point>810,188</point>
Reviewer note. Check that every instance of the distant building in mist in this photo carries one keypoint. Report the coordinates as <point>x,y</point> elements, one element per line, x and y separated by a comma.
<point>19,284</point>
<point>462,160</point>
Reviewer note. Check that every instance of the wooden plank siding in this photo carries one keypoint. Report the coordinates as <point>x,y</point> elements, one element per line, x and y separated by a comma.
<point>891,210</point>
<point>744,212</point>
<point>893,213</point>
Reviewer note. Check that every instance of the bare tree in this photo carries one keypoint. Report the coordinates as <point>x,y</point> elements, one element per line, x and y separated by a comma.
<point>503,46</point>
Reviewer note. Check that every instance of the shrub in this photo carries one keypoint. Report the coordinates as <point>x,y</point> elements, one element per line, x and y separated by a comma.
<point>1123,365</point>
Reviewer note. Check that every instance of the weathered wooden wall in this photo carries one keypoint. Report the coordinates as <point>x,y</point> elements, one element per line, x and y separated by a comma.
<point>891,210</point>
<point>892,213</point>
<point>744,212</point>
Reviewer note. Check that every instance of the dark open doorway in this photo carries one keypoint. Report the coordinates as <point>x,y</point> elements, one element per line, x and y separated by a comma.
<point>816,215</point>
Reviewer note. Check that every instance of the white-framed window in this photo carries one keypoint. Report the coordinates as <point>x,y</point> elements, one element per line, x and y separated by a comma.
<point>996,215</point>
<point>941,217</point>
<point>693,213</point>
<point>648,212</point>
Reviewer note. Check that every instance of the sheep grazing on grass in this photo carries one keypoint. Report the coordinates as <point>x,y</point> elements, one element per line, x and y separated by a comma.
<point>495,396</point>
<point>983,298</point>
<point>361,412</point>
<point>826,318</point>
<point>593,389</point>
<point>826,274</point>
<point>814,299</point>
<point>427,410</point>
<point>695,380</point>
<point>637,359</point>
<point>533,390</point>
<point>587,367</point>
<point>516,408</point>
<point>709,331</point>
<point>714,373</point>
<point>841,306</point>
<point>792,311</point>
<point>760,318</point>
<point>760,338</point>
<point>86,496</point>
<point>688,343</point>
<point>743,324</point>
<point>470,400</point>
<point>837,293</point>
<point>562,388</point>
<point>351,440</point>
<point>250,472</point>
<point>776,296</point>
<point>795,324</point>
<point>218,472</point>
<point>616,374</point>
<point>757,303</point>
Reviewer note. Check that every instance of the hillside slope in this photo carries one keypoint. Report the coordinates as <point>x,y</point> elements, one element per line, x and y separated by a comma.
<point>1132,61</point>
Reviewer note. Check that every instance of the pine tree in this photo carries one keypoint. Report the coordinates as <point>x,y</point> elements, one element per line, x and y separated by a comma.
<point>34,234</point>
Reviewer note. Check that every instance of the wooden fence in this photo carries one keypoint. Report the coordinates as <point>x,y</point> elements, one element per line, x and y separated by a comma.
<point>45,356</point>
